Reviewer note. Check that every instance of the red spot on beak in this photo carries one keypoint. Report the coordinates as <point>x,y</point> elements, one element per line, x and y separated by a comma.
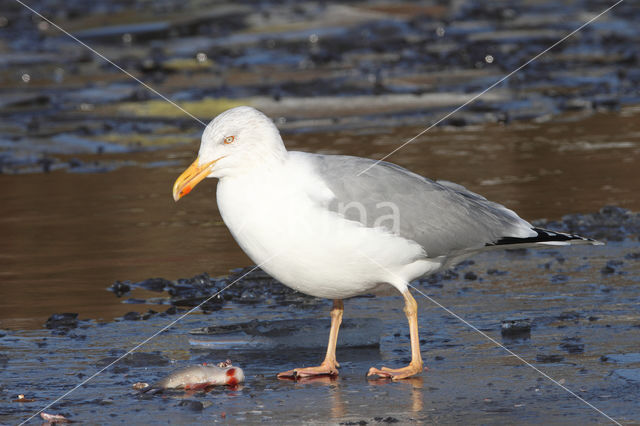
<point>185,191</point>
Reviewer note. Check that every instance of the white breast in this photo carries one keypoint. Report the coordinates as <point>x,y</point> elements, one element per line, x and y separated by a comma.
<point>278,217</point>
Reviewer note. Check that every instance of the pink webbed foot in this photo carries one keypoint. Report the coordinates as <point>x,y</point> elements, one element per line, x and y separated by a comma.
<point>324,369</point>
<point>397,373</point>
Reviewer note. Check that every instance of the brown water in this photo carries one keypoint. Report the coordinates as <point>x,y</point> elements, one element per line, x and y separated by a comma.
<point>66,237</point>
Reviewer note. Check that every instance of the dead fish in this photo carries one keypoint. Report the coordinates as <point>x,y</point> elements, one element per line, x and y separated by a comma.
<point>198,377</point>
<point>54,418</point>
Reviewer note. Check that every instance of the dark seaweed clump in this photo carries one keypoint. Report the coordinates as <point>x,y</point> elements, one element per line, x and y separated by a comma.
<point>245,285</point>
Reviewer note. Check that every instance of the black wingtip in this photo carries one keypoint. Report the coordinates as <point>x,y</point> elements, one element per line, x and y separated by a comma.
<point>545,236</point>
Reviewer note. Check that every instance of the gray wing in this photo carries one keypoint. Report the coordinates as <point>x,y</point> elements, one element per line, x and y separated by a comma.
<point>443,217</point>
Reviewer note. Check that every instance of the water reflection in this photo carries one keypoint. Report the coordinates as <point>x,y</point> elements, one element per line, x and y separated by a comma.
<point>338,407</point>
<point>338,391</point>
<point>334,390</point>
<point>411,387</point>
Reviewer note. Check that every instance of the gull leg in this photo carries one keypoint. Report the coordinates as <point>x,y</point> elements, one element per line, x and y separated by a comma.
<point>415,367</point>
<point>329,366</point>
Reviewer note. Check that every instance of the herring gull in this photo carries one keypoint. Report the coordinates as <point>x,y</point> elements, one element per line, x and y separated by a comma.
<point>321,226</point>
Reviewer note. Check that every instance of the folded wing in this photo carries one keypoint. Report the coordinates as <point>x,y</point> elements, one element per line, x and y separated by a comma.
<point>443,217</point>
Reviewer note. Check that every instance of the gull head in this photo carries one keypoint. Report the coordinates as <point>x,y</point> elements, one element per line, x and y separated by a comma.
<point>237,141</point>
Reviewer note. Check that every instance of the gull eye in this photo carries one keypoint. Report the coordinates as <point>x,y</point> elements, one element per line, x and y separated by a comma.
<point>229,139</point>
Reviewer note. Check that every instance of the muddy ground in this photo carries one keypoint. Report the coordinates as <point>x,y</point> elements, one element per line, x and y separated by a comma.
<point>88,157</point>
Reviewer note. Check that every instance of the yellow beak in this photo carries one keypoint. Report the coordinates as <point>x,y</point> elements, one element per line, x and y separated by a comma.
<point>191,177</point>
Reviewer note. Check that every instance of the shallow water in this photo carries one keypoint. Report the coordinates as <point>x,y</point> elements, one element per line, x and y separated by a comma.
<point>69,236</point>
